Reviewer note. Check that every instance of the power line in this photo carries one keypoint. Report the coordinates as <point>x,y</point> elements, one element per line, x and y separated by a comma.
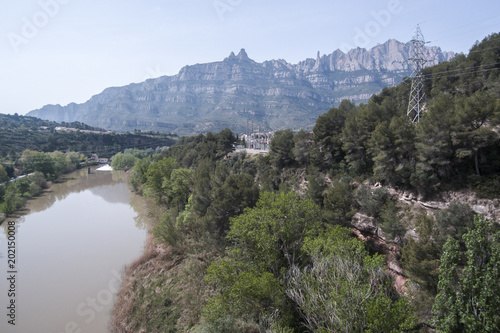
<point>470,72</point>
<point>463,69</point>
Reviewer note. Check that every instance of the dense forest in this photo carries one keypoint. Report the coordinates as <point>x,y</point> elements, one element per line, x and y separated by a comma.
<point>273,243</point>
<point>18,133</point>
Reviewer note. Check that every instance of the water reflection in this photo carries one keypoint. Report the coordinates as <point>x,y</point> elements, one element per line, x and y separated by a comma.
<point>77,182</point>
<point>71,242</point>
<point>111,186</point>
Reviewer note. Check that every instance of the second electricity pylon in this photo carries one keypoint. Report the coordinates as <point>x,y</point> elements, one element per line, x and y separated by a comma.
<point>418,59</point>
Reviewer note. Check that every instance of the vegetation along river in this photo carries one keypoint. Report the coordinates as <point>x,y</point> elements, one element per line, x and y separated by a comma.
<point>71,246</point>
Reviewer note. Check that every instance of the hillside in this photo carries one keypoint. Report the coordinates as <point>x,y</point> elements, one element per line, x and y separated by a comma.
<point>239,92</point>
<point>18,133</point>
<point>374,223</point>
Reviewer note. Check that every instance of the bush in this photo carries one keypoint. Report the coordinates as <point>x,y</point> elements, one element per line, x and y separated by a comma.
<point>371,201</point>
<point>454,221</point>
<point>166,231</point>
<point>486,187</point>
<point>391,222</point>
<point>338,203</point>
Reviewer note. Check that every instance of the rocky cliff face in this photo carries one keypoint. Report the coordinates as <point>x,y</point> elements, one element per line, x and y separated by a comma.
<point>238,91</point>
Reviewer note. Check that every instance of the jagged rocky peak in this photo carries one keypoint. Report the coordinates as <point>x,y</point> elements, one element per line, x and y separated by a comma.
<point>391,55</point>
<point>274,94</point>
<point>242,56</point>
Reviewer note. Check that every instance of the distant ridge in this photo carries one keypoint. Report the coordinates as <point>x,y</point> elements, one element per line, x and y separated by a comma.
<point>238,91</point>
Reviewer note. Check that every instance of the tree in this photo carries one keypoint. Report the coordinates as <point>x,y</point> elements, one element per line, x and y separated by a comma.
<point>266,241</point>
<point>178,188</point>
<point>302,148</point>
<point>236,193</point>
<point>139,174</point>
<point>420,258</point>
<point>434,146</point>
<point>202,187</point>
<point>273,231</point>
<point>338,203</point>
<point>225,142</point>
<point>158,176</point>
<point>328,133</point>
<point>341,289</point>
<point>359,126</point>
<point>391,222</point>
<point>282,148</point>
<point>404,135</point>
<point>393,152</point>
<point>454,221</point>
<point>246,291</point>
<point>37,184</point>
<point>12,200</point>
<point>316,184</point>
<point>121,161</point>
<point>61,164</point>
<point>469,302</point>
<point>75,158</point>
<point>38,161</point>
<point>445,306</point>
<point>472,113</point>
<point>3,174</point>
<point>382,148</point>
<point>371,201</point>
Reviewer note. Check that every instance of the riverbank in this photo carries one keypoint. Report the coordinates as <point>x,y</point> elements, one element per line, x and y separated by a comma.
<point>161,290</point>
<point>164,288</point>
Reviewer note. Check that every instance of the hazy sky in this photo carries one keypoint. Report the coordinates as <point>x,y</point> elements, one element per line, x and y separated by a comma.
<point>62,51</point>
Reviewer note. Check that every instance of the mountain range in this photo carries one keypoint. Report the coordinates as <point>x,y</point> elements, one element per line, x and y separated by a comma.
<point>242,94</point>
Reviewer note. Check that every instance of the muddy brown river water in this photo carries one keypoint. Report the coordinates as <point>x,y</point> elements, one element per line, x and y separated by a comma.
<point>71,246</point>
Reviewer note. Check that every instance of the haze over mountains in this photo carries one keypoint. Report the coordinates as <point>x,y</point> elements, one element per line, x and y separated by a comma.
<point>239,92</point>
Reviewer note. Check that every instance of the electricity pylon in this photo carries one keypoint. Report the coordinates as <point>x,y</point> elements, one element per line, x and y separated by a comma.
<point>416,102</point>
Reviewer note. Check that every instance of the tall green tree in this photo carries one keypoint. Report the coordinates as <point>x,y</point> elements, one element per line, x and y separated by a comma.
<point>454,222</point>
<point>202,186</point>
<point>471,116</point>
<point>225,142</point>
<point>358,129</point>
<point>178,188</point>
<point>435,149</point>
<point>469,299</point>
<point>282,145</point>
<point>158,177</point>
<point>328,133</point>
<point>392,147</point>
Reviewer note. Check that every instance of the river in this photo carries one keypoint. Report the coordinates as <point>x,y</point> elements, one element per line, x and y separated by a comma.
<point>71,246</point>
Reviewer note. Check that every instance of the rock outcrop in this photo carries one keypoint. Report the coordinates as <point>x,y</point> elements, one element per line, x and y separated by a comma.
<point>239,92</point>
